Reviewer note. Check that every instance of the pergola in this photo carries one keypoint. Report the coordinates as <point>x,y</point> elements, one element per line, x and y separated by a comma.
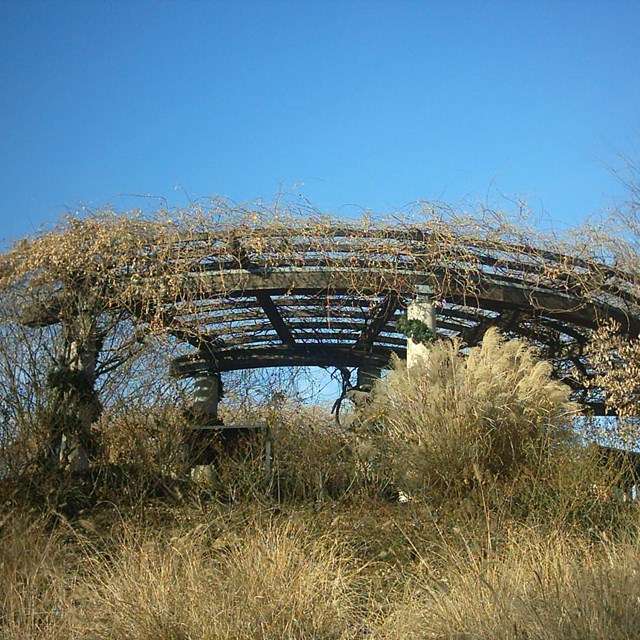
<point>330,295</point>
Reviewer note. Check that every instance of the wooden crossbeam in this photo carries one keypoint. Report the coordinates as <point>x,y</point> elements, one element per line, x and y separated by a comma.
<point>280,326</point>
<point>379,318</point>
<point>507,321</point>
<point>300,355</point>
<point>471,335</point>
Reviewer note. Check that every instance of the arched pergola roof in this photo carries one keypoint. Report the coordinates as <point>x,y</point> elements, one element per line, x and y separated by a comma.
<point>331,294</point>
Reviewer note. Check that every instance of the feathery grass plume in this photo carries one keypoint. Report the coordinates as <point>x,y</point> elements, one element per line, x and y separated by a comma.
<point>464,419</point>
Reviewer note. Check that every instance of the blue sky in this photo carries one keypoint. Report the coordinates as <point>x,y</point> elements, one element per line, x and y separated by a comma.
<point>354,105</point>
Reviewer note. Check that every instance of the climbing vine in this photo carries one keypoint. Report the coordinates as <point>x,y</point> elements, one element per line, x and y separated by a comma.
<point>415,329</point>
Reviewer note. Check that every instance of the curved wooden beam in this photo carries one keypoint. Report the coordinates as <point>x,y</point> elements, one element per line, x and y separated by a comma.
<point>309,355</point>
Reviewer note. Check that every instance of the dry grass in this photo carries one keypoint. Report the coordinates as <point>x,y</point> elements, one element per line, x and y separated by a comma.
<point>273,582</point>
<point>464,421</point>
<point>313,458</point>
<point>148,438</point>
<point>512,532</point>
<point>33,593</point>
<point>548,588</point>
<point>306,575</point>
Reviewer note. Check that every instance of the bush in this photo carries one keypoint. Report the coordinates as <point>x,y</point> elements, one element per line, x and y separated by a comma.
<point>148,439</point>
<point>464,420</point>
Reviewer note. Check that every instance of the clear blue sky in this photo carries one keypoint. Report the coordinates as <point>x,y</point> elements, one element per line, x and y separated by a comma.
<point>352,104</point>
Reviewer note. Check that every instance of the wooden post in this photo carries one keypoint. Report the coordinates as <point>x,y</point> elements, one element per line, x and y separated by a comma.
<point>368,375</point>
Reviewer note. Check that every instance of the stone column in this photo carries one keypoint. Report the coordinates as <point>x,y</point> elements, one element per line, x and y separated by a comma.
<point>206,395</point>
<point>366,379</point>
<point>202,433</point>
<point>75,404</point>
<point>420,309</point>
<point>368,375</point>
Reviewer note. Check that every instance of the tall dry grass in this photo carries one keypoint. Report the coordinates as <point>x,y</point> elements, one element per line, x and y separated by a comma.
<point>312,459</point>
<point>513,530</point>
<point>291,577</point>
<point>147,440</point>
<point>545,587</point>
<point>34,591</point>
<point>275,581</point>
<point>468,418</point>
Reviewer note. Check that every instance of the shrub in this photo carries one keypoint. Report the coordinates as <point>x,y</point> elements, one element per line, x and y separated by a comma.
<point>463,419</point>
<point>148,439</point>
<point>616,359</point>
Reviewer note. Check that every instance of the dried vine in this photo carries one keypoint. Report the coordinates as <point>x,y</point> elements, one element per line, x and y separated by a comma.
<point>194,274</point>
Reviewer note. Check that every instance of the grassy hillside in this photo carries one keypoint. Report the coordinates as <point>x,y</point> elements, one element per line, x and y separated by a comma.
<point>511,530</point>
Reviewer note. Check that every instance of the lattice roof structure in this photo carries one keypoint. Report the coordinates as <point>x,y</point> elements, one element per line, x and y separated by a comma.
<point>258,290</point>
<point>332,295</point>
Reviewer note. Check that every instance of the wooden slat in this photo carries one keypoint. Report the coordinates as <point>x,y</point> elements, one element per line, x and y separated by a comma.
<point>275,318</point>
<point>378,319</point>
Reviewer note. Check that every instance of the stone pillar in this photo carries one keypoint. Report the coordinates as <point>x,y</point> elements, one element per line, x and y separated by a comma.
<point>368,375</point>
<point>202,433</point>
<point>420,309</point>
<point>206,395</point>
<point>74,401</point>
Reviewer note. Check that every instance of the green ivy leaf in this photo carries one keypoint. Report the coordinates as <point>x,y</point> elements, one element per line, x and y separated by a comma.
<point>417,330</point>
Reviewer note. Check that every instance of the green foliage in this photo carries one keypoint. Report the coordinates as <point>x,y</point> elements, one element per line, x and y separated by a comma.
<point>417,330</point>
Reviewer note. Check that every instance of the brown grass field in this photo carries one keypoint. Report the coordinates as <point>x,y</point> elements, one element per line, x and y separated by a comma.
<point>512,530</point>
